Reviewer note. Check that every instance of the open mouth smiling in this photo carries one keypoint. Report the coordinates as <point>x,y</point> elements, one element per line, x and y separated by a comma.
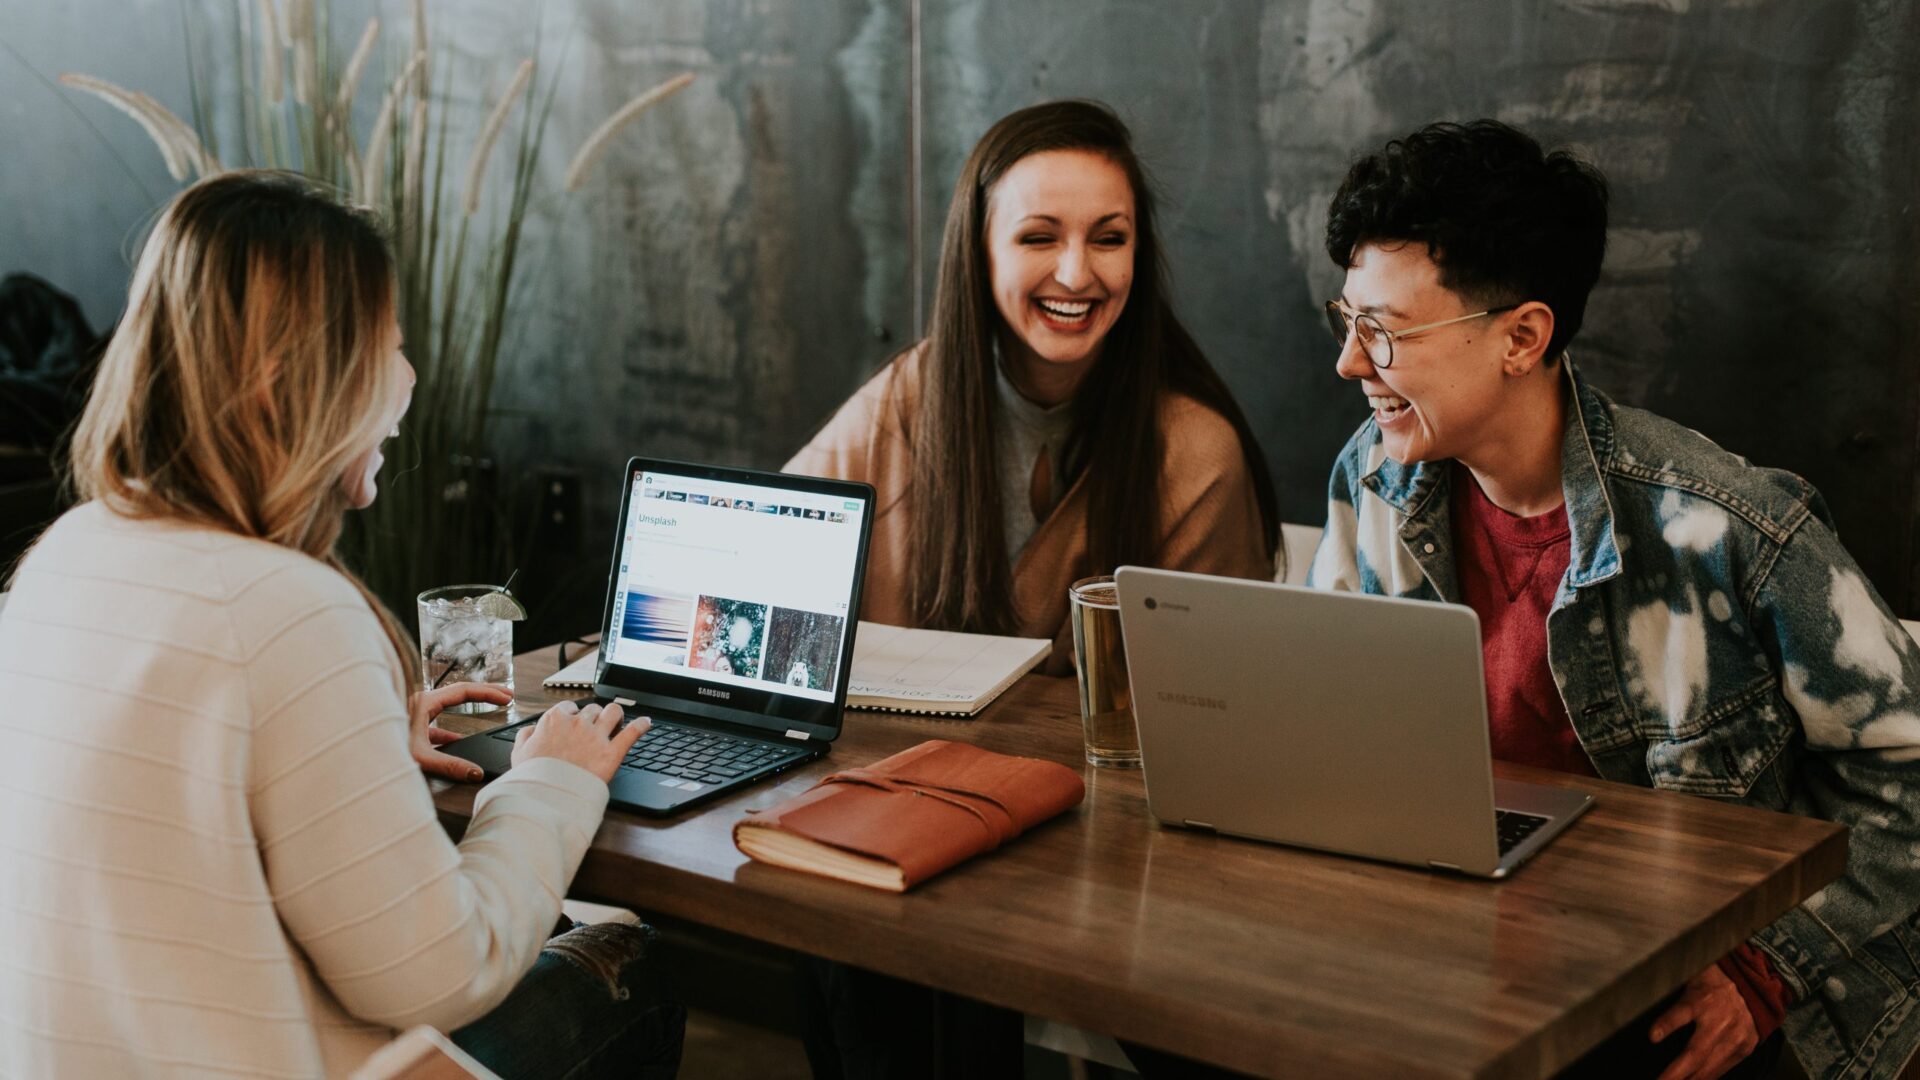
<point>1066,314</point>
<point>1387,407</point>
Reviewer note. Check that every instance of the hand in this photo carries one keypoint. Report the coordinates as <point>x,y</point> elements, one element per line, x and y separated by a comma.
<point>422,736</point>
<point>586,737</point>
<point>1723,1032</point>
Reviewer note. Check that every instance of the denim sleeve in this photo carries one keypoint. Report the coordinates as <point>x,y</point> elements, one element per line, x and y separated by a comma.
<point>1851,673</point>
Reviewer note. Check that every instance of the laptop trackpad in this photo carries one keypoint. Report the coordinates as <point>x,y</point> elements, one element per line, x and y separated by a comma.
<point>1551,802</point>
<point>651,790</point>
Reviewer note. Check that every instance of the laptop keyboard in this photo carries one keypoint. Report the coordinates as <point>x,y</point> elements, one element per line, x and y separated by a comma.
<point>707,757</point>
<point>1514,827</point>
<point>704,757</point>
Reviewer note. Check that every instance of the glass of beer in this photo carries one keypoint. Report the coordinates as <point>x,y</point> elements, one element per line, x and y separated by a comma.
<point>1106,696</point>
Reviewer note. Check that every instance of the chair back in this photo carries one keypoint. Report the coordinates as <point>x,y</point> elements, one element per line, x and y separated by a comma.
<point>1298,542</point>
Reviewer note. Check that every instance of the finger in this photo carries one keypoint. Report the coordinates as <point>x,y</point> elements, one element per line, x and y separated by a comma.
<point>1712,1064</point>
<point>563,709</point>
<point>1706,1056</point>
<point>605,719</point>
<point>1730,1048</point>
<point>446,766</point>
<point>524,733</point>
<point>1671,1021</point>
<point>464,692</point>
<point>1685,1066</point>
<point>440,736</point>
<point>630,734</point>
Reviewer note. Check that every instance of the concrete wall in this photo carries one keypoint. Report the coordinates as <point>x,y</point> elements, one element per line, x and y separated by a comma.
<point>747,253</point>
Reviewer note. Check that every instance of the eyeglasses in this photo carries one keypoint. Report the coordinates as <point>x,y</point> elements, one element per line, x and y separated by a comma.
<point>1376,339</point>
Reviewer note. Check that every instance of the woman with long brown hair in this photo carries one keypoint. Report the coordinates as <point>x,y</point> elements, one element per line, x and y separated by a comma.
<point>1058,420</point>
<point>220,854</point>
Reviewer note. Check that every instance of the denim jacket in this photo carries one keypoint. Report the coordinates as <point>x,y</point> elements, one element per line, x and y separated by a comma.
<point>1711,636</point>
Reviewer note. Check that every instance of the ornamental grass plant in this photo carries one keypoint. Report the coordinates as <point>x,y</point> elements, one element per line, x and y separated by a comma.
<point>443,516</point>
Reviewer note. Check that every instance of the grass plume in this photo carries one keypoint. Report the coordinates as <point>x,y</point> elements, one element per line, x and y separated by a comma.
<point>303,44</point>
<point>422,78</point>
<point>596,144</point>
<point>356,66</point>
<point>489,133</point>
<point>374,161</point>
<point>272,51</point>
<point>161,126</point>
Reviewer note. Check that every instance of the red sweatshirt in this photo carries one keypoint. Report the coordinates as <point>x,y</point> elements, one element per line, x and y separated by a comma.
<point>1508,569</point>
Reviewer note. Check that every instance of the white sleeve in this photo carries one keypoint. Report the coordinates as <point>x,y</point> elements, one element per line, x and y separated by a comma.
<point>403,927</point>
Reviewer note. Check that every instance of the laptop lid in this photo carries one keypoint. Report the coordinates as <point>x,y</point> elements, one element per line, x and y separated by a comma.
<point>731,595</point>
<point>1338,721</point>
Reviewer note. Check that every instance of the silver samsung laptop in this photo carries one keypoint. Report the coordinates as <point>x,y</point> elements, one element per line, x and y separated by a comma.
<point>1348,723</point>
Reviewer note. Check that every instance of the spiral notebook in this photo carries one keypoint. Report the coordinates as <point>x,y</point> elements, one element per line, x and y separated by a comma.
<point>579,675</point>
<point>895,669</point>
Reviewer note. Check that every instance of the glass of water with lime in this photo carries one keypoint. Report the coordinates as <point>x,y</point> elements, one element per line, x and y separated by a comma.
<point>466,635</point>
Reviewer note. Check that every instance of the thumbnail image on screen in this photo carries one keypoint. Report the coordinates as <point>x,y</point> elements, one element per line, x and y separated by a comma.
<point>657,625</point>
<point>728,636</point>
<point>803,648</point>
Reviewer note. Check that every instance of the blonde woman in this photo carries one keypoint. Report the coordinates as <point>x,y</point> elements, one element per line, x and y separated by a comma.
<point>220,857</point>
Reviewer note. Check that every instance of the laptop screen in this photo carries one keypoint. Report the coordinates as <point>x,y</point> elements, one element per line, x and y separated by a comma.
<point>737,589</point>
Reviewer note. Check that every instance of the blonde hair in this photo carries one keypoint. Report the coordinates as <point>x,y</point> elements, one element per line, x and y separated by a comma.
<point>250,371</point>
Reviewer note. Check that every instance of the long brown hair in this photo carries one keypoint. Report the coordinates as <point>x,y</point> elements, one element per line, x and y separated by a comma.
<point>962,573</point>
<point>250,371</point>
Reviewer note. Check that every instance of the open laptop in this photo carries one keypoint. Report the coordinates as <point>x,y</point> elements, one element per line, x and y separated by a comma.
<point>729,620</point>
<point>1339,721</point>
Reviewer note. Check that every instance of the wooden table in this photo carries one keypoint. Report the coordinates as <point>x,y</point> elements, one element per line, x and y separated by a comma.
<point>1260,958</point>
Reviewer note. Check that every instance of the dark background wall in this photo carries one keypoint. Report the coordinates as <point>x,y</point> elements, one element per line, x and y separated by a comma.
<point>756,247</point>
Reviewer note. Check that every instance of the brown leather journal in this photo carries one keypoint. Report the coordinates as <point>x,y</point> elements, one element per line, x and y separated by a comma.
<point>902,820</point>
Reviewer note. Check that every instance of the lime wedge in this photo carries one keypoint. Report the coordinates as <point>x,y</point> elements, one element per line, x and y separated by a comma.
<point>500,605</point>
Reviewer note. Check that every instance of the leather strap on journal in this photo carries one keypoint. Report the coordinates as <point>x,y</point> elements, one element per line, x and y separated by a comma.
<point>998,825</point>
<point>926,808</point>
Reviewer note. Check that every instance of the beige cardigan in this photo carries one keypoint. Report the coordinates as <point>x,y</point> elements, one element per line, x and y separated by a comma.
<point>1211,516</point>
<point>217,857</point>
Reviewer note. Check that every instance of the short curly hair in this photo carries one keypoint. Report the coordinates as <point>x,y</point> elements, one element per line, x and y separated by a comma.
<point>1506,222</point>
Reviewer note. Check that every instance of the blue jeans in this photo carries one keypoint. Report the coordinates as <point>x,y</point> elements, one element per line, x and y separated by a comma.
<point>590,1008</point>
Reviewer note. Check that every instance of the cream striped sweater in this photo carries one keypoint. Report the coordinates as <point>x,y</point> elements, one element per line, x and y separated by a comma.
<point>216,854</point>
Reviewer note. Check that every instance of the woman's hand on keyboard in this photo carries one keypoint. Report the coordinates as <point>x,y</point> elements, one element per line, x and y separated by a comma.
<point>590,738</point>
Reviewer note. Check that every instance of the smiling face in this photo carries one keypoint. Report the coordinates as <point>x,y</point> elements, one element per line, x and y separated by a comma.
<point>1447,387</point>
<point>360,483</point>
<point>1060,242</point>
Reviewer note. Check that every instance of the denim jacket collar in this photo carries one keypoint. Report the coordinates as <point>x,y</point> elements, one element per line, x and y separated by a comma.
<point>1585,448</point>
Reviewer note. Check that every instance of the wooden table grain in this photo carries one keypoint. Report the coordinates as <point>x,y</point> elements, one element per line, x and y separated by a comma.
<point>1261,958</point>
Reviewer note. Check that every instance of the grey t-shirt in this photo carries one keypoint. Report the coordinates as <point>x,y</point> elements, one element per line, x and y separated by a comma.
<point>1022,431</point>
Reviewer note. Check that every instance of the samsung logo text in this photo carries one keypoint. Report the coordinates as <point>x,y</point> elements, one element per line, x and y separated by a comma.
<point>1195,701</point>
<point>708,691</point>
